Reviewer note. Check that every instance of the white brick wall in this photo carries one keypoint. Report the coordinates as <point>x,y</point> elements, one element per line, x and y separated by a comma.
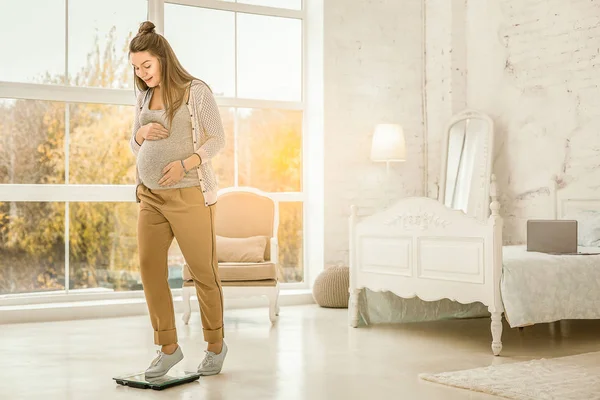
<point>446,72</point>
<point>534,67</point>
<point>372,74</point>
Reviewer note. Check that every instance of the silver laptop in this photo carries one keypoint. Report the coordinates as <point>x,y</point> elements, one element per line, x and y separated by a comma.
<point>554,236</point>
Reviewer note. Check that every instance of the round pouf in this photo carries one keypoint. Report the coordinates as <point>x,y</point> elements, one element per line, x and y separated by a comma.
<point>331,287</point>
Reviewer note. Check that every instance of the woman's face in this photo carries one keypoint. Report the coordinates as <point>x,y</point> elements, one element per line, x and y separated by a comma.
<point>146,67</point>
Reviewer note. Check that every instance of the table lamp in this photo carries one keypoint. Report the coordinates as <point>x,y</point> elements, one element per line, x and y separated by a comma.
<point>388,144</point>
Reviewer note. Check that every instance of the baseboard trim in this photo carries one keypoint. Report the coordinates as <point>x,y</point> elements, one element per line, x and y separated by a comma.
<point>66,311</point>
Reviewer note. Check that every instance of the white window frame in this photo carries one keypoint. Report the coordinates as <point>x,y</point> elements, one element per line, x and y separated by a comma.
<point>311,104</point>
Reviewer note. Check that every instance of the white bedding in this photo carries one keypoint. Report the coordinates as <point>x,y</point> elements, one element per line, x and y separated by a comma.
<point>538,287</point>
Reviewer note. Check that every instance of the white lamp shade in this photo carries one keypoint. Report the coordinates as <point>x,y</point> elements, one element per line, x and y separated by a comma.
<point>388,143</point>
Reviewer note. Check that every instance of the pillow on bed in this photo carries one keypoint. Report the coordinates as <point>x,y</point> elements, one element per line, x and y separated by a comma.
<point>588,228</point>
<point>241,250</point>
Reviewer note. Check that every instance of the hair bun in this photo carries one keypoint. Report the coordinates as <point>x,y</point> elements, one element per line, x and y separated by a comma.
<point>146,27</point>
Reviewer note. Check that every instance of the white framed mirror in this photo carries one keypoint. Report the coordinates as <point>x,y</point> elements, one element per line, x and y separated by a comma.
<point>467,163</point>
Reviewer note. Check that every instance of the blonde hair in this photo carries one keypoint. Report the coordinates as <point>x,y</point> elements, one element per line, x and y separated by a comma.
<point>174,78</point>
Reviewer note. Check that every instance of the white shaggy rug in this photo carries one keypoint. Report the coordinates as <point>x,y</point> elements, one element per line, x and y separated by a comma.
<point>565,378</point>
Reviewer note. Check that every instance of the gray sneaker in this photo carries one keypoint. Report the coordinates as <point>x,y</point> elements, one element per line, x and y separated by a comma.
<point>163,363</point>
<point>212,363</point>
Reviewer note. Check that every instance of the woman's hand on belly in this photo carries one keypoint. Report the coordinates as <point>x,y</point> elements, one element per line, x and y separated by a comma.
<point>172,174</point>
<point>153,131</point>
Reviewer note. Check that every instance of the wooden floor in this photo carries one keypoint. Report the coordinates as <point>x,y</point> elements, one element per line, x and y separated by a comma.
<point>311,353</point>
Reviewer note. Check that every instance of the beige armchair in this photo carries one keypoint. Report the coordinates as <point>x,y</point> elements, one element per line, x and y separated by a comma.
<point>246,222</point>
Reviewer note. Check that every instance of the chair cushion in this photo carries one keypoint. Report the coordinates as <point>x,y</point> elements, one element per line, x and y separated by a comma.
<point>231,272</point>
<point>244,214</point>
<point>270,282</point>
<point>241,250</point>
<point>267,282</point>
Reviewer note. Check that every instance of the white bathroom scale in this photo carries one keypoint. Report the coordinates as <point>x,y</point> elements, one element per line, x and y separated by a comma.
<point>173,378</point>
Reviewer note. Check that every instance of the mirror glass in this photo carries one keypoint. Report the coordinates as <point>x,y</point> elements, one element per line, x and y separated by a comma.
<point>465,171</point>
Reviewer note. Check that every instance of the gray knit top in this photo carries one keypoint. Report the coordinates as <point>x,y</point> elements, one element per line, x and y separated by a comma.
<point>208,135</point>
<point>155,155</point>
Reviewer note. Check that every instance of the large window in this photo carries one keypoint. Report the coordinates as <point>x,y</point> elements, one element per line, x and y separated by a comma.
<point>253,62</point>
<point>68,216</point>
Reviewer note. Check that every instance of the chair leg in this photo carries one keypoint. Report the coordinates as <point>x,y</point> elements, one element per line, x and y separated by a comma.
<point>274,304</point>
<point>187,292</point>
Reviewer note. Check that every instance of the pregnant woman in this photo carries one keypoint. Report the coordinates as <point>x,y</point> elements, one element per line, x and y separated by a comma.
<point>177,130</point>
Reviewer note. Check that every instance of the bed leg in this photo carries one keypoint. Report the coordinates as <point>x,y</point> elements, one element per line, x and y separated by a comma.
<point>353,308</point>
<point>496,332</point>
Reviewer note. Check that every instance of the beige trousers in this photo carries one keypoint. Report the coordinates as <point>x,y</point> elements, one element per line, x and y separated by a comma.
<point>179,213</point>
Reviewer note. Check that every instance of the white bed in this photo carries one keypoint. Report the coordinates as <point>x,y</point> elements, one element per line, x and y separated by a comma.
<point>540,288</point>
<point>419,247</point>
<point>451,247</point>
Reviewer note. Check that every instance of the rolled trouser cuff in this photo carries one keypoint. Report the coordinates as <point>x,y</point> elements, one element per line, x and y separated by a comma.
<point>164,338</point>
<point>213,336</point>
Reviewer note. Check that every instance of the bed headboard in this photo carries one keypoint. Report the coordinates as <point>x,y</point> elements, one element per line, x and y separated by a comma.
<point>573,198</point>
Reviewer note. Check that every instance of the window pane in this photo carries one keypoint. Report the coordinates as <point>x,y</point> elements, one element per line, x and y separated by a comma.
<point>204,42</point>
<point>32,247</point>
<point>224,162</point>
<point>270,149</point>
<point>290,4</point>
<point>32,141</point>
<point>99,35</point>
<point>103,246</point>
<point>269,57</point>
<point>33,39</point>
<point>289,237</point>
<point>99,150</point>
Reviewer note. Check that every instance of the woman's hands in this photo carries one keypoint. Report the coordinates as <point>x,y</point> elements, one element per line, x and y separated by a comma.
<point>172,174</point>
<point>151,131</point>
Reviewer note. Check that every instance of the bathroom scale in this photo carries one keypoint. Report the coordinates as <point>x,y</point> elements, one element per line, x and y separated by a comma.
<point>173,378</point>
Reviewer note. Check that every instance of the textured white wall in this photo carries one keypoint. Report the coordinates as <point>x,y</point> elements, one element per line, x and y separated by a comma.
<point>372,74</point>
<point>446,76</point>
<point>534,66</point>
